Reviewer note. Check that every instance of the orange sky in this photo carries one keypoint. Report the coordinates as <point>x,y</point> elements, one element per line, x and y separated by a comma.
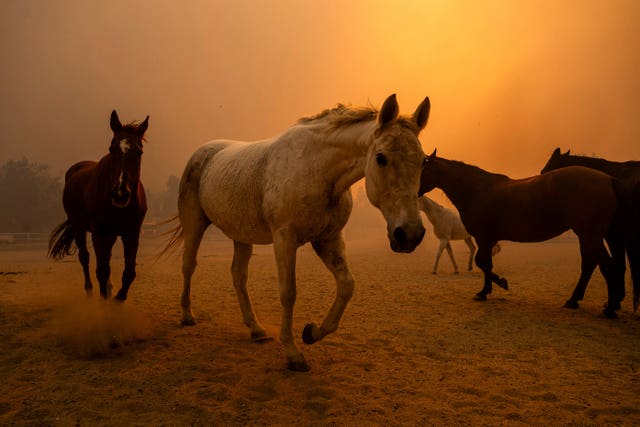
<point>508,80</point>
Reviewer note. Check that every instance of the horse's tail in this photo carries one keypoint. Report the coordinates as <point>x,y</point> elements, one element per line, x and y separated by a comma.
<point>176,236</point>
<point>61,241</point>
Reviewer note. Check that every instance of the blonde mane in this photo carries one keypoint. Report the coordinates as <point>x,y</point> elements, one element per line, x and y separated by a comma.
<point>345,115</point>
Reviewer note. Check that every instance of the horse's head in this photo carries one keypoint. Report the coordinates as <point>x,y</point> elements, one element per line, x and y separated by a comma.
<point>557,160</point>
<point>430,174</point>
<point>126,153</point>
<point>392,172</point>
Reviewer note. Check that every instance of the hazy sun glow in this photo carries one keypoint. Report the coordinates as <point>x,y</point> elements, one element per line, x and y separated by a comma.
<point>508,81</point>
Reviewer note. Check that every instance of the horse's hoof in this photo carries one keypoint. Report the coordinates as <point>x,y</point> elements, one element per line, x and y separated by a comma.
<point>188,321</point>
<point>610,314</point>
<point>480,297</point>
<point>260,337</point>
<point>434,272</point>
<point>456,272</point>
<point>307,334</point>
<point>616,306</point>
<point>120,298</point>
<point>502,282</point>
<point>298,365</point>
<point>573,305</point>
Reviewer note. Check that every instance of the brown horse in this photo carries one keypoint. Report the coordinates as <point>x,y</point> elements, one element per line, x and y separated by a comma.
<point>107,199</point>
<point>629,174</point>
<point>494,207</point>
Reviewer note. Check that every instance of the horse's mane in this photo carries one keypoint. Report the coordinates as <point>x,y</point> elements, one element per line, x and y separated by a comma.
<point>474,169</point>
<point>346,115</point>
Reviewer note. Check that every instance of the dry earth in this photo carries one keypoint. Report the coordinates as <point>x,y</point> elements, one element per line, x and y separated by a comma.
<point>412,349</point>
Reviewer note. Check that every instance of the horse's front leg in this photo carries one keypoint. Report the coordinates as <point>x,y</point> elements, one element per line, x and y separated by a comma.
<point>102,245</point>
<point>130,244</point>
<point>285,248</point>
<point>333,255</point>
<point>485,263</point>
<point>453,261</point>
<point>443,244</point>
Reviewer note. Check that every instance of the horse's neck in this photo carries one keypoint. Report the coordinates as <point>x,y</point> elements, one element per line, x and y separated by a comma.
<point>431,208</point>
<point>343,152</point>
<point>607,166</point>
<point>463,183</point>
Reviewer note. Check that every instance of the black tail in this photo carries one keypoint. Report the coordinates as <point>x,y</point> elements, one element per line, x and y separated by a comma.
<point>61,241</point>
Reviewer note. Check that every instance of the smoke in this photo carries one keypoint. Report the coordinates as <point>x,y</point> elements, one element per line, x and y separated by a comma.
<point>92,327</point>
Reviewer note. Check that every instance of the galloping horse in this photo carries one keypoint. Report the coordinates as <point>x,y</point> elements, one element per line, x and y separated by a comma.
<point>629,173</point>
<point>294,189</point>
<point>494,207</point>
<point>107,199</point>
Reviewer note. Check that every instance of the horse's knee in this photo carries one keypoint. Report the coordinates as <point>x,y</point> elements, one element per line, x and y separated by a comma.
<point>345,288</point>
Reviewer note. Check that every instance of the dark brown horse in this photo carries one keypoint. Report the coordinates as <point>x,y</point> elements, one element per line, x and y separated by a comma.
<point>629,174</point>
<point>107,199</point>
<point>494,207</point>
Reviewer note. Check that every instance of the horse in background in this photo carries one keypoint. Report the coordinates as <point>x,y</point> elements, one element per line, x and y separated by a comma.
<point>106,199</point>
<point>494,207</point>
<point>448,226</point>
<point>629,174</point>
<point>294,189</point>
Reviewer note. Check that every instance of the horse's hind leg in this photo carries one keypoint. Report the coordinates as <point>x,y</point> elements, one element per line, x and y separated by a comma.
<point>130,244</point>
<point>472,251</point>
<point>453,261</point>
<point>588,252</point>
<point>239,271</point>
<point>332,253</point>
<point>618,266</point>
<point>102,245</point>
<point>80,238</point>
<point>193,230</point>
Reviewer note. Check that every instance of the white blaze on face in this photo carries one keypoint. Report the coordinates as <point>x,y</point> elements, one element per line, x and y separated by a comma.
<point>124,147</point>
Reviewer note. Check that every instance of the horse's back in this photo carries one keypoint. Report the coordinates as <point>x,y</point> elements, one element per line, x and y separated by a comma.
<point>227,177</point>
<point>584,198</point>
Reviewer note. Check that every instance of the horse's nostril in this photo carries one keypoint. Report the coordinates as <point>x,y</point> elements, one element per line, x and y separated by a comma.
<point>399,234</point>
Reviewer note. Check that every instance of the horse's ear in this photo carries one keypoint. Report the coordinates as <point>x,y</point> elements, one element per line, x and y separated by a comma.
<point>142,127</point>
<point>116,126</point>
<point>567,153</point>
<point>433,155</point>
<point>421,116</point>
<point>389,111</point>
<point>556,152</point>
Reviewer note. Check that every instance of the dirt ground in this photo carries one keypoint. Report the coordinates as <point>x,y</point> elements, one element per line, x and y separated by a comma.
<point>413,348</point>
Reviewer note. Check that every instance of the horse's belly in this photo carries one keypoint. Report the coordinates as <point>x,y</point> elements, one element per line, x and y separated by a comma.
<point>237,214</point>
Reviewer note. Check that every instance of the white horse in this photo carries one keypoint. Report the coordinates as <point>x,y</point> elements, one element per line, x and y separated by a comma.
<point>448,226</point>
<point>294,189</point>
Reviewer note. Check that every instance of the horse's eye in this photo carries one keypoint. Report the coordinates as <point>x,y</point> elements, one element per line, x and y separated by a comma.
<point>381,159</point>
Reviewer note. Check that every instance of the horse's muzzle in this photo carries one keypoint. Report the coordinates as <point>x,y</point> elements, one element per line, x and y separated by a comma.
<point>120,197</point>
<point>406,239</point>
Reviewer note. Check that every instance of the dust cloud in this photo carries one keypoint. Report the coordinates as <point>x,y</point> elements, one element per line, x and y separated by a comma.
<point>92,327</point>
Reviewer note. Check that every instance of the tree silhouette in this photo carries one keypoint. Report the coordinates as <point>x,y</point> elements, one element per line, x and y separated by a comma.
<point>31,198</point>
